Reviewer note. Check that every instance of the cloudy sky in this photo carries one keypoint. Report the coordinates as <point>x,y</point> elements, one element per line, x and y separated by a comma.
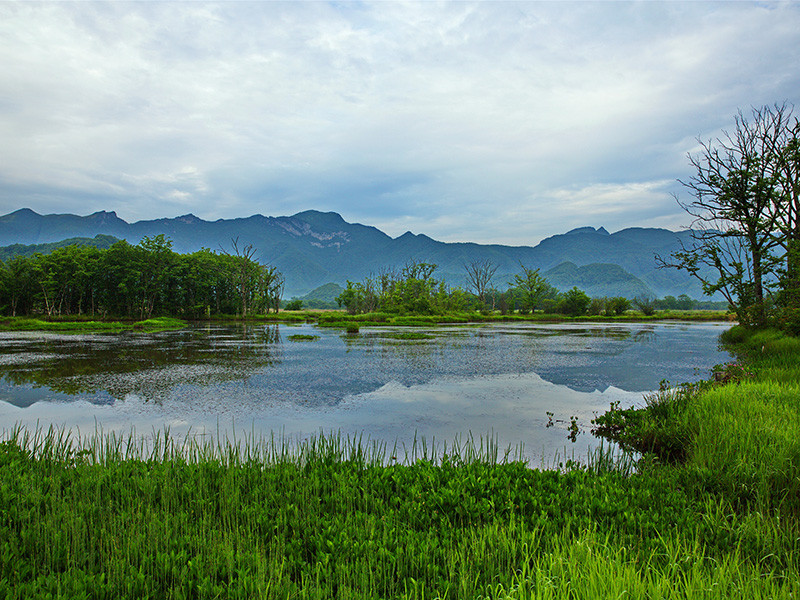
<point>495,122</point>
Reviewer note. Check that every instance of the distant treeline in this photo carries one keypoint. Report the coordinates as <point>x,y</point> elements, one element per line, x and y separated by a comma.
<point>414,289</point>
<point>684,302</point>
<point>140,281</point>
<point>99,241</point>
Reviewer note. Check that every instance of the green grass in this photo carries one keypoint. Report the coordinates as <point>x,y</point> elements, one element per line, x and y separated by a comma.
<point>80,326</point>
<point>330,517</point>
<point>746,432</point>
<point>159,324</point>
<point>406,335</point>
<point>734,439</point>
<point>341,318</point>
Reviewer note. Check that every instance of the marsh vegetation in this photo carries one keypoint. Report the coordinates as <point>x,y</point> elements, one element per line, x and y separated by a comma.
<point>122,515</point>
<point>331,516</point>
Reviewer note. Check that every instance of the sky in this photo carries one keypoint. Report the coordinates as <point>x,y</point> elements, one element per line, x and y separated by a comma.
<point>490,122</point>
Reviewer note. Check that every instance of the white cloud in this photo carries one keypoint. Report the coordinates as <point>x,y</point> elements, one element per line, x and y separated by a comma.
<point>486,121</point>
<point>610,199</point>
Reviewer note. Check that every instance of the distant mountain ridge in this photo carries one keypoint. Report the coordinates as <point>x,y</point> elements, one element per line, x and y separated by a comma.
<point>312,248</point>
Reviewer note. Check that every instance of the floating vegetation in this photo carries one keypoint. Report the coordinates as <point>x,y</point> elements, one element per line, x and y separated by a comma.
<point>406,335</point>
<point>302,337</point>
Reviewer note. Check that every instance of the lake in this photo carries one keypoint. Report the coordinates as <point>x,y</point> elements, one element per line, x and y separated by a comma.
<point>497,381</point>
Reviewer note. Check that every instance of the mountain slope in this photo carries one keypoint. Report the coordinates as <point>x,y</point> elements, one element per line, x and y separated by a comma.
<point>312,248</point>
<point>598,280</point>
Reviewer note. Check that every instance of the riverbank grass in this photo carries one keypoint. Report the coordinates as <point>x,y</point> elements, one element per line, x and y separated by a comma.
<point>331,517</point>
<point>87,326</point>
<point>747,432</point>
<point>342,319</point>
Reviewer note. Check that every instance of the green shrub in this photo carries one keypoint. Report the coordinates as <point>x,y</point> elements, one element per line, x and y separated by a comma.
<point>294,304</point>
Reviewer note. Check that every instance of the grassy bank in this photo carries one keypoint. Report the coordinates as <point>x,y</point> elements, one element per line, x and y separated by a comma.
<point>75,325</point>
<point>341,319</point>
<point>109,517</point>
<point>734,439</point>
<point>736,434</point>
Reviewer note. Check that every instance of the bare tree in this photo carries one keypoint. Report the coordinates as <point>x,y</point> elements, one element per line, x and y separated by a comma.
<point>274,283</point>
<point>734,199</point>
<point>784,148</point>
<point>479,276</point>
<point>245,273</point>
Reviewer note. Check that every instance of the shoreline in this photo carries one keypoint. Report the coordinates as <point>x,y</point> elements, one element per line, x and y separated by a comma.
<point>339,319</point>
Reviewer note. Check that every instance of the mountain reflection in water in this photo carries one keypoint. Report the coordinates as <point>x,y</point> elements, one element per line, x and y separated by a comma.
<point>449,381</point>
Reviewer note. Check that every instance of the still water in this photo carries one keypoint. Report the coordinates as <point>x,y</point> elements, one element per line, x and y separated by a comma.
<point>498,381</point>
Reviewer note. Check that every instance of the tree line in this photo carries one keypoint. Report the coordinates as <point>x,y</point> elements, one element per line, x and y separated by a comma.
<point>414,289</point>
<point>745,200</point>
<point>141,281</point>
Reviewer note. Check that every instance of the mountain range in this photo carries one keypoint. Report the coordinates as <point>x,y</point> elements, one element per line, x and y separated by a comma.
<point>312,248</point>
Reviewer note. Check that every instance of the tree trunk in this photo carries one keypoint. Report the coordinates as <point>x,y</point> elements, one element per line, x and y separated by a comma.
<point>758,286</point>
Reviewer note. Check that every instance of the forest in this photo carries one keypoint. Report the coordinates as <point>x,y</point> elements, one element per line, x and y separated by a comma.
<point>150,279</point>
<point>139,282</point>
<point>415,289</point>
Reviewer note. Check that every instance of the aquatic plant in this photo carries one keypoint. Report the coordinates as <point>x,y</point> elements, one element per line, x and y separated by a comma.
<point>302,337</point>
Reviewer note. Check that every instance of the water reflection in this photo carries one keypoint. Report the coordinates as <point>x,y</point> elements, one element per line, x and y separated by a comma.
<point>107,367</point>
<point>384,382</point>
<point>584,358</point>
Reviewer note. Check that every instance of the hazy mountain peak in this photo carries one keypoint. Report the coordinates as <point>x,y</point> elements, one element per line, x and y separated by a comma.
<point>22,212</point>
<point>102,217</point>
<point>317,218</point>
<point>585,230</point>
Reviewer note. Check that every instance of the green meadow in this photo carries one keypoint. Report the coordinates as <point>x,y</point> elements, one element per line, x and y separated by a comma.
<point>708,508</point>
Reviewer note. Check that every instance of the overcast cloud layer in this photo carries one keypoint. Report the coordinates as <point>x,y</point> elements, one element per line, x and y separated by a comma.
<point>488,122</point>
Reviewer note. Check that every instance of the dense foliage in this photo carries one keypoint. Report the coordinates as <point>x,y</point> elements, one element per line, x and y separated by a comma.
<point>140,281</point>
<point>413,290</point>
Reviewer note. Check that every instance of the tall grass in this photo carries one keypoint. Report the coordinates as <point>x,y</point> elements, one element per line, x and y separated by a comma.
<point>109,516</point>
<point>745,440</point>
<point>593,566</point>
<point>748,436</point>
